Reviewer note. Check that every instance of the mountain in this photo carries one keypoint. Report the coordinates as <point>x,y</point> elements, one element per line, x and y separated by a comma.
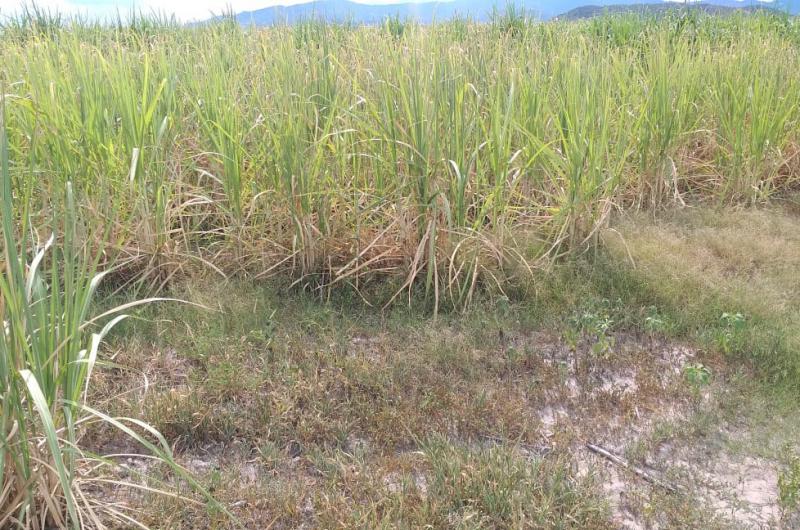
<point>426,11</point>
<point>423,11</point>
<point>345,10</point>
<point>656,9</point>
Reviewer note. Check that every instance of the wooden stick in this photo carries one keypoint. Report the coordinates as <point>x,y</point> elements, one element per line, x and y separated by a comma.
<point>639,472</point>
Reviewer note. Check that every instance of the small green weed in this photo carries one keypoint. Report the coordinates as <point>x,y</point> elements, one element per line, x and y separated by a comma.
<point>731,336</point>
<point>592,326</point>
<point>697,374</point>
<point>655,322</point>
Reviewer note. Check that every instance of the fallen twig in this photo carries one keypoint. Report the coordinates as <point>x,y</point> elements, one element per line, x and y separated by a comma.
<point>639,472</point>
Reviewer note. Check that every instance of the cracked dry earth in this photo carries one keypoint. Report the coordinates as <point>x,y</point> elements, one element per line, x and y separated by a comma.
<point>626,403</point>
<point>644,380</point>
<point>733,490</point>
<point>728,489</point>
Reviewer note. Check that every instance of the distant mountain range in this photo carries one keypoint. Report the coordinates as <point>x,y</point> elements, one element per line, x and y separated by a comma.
<point>657,9</point>
<point>428,11</point>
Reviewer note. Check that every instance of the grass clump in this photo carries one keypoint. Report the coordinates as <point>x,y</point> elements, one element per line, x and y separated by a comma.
<point>48,353</point>
<point>494,487</point>
<point>447,485</point>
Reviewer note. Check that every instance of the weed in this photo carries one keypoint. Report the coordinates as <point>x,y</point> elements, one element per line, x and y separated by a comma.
<point>655,322</point>
<point>498,488</point>
<point>697,375</point>
<point>730,336</point>
<point>593,327</point>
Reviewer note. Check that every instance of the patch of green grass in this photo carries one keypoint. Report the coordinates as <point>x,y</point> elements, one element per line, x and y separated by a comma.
<point>339,391</point>
<point>447,485</point>
<point>727,280</point>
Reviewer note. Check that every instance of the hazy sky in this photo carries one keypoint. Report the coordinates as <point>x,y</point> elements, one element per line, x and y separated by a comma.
<point>183,9</point>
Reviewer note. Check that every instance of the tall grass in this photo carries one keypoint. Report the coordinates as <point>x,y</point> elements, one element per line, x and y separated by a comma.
<point>453,155</point>
<point>48,351</point>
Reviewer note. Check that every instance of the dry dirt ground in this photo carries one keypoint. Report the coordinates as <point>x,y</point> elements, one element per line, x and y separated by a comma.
<point>301,414</point>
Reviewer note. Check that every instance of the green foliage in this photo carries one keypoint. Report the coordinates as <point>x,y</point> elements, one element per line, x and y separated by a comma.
<point>34,22</point>
<point>48,352</point>
<point>696,266</point>
<point>511,21</point>
<point>455,156</point>
<point>655,322</point>
<point>731,332</point>
<point>789,486</point>
<point>593,327</point>
<point>395,26</point>
<point>697,375</point>
<point>493,487</point>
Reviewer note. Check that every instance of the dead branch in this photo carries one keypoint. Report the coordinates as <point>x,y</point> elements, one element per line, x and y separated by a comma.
<point>638,471</point>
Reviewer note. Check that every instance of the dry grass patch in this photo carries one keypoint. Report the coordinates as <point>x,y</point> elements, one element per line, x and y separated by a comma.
<point>371,420</point>
<point>704,264</point>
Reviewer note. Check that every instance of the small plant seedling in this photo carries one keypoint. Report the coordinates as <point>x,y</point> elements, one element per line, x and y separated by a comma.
<point>571,336</point>
<point>515,355</point>
<point>595,328</point>
<point>270,454</point>
<point>263,335</point>
<point>503,306</point>
<point>733,320</point>
<point>697,374</point>
<point>730,336</point>
<point>654,322</point>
